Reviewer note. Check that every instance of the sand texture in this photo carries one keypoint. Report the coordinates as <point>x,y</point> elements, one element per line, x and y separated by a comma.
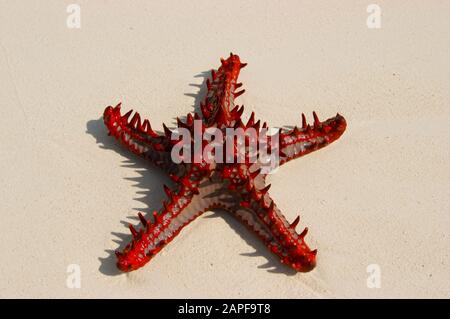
<point>377,198</point>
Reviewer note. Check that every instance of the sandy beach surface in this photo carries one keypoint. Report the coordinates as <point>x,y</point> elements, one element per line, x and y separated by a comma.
<point>376,202</point>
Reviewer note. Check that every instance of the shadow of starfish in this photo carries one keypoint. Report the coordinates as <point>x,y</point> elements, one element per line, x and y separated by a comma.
<point>149,182</point>
<point>273,264</point>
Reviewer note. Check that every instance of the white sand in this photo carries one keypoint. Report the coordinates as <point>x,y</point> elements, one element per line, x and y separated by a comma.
<point>380,195</point>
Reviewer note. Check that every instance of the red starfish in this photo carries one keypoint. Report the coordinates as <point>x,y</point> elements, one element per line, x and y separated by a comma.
<point>238,188</point>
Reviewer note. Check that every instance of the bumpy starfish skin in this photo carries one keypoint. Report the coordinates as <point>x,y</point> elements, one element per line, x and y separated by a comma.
<point>238,188</point>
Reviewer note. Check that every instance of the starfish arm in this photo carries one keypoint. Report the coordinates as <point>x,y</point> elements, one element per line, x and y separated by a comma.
<point>195,195</point>
<point>300,141</point>
<point>138,137</point>
<point>222,89</point>
<point>258,211</point>
<point>253,123</point>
